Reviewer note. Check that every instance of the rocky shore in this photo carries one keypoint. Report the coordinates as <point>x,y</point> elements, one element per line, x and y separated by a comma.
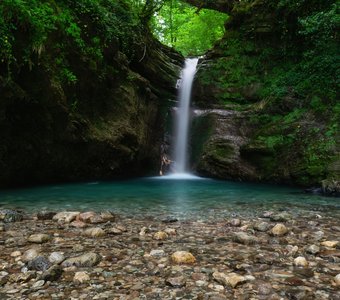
<point>101,255</point>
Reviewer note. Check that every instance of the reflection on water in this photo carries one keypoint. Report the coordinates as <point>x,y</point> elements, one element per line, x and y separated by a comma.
<point>185,198</point>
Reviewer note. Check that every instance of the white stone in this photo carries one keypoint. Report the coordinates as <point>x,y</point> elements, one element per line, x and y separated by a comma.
<point>81,277</point>
<point>56,257</point>
<point>300,262</point>
<point>15,254</point>
<point>66,216</point>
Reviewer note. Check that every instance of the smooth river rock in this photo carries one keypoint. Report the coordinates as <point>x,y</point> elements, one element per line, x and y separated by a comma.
<point>94,232</point>
<point>231,279</point>
<point>81,277</point>
<point>330,244</point>
<point>66,216</point>
<point>39,238</point>
<point>86,260</point>
<point>244,238</point>
<point>300,261</point>
<point>279,230</point>
<point>183,257</point>
<point>160,236</point>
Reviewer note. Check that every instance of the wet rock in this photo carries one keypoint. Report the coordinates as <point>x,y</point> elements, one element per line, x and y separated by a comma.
<point>279,230</point>
<point>45,215</point>
<point>39,263</point>
<point>244,238</point>
<point>81,277</point>
<point>86,216</point>
<point>108,216</point>
<point>304,272</point>
<point>86,260</point>
<point>170,231</point>
<point>235,222</point>
<point>94,232</point>
<point>66,216</point>
<point>143,231</point>
<point>176,282</point>
<point>56,257</point>
<point>337,280</point>
<point>52,274</point>
<point>281,217</point>
<point>183,257</point>
<point>262,226</point>
<point>330,244</point>
<point>38,284</point>
<point>39,238</point>
<point>15,254</point>
<point>231,279</point>
<point>301,262</point>
<point>30,254</point>
<point>10,216</point>
<point>78,224</point>
<point>160,236</point>
<point>115,231</point>
<point>313,249</point>
<point>170,220</point>
<point>264,288</point>
<point>157,253</point>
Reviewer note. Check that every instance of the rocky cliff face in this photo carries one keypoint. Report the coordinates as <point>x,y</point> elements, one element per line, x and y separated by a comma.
<point>93,117</point>
<point>271,113</point>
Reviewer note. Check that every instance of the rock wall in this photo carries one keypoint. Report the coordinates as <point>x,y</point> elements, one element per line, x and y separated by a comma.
<point>106,123</point>
<point>267,119</point>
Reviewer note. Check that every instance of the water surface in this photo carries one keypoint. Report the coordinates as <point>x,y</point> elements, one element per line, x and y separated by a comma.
<point>191,198</point>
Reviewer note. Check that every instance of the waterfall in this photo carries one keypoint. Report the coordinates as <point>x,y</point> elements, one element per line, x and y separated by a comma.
<point>183,115</point>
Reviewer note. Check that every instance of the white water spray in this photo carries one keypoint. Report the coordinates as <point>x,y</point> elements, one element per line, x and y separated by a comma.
<point>183,115</point>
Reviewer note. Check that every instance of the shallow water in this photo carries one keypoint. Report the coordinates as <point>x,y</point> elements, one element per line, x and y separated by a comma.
<point>189,198</point>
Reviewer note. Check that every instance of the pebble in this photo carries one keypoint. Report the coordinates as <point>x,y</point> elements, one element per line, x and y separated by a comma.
<point>86,260</point>
<point>40,263</point>
<point>337,280</point>
<point>157,253</point>
<point>262,226</point>
<point>160,236</point>
<point>231,279</point>
<point>183,257</point>
<point>330,244</point>
<point>94,232</point>
<point>56,257</point>
<point>176,282</point>
<point>313,249</point>
<point>30,254</point>
<point>66,216</point>
<point>279,230</point>
<point>15,254</point>
<point>300,261</point>
<point>39,238</point>
<point>235,222</point>
<point>81,277</point>
<point>244,238</point>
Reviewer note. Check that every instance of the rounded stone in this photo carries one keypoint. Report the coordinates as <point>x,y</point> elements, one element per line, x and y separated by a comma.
<point>39,238</point>
<point>81,277</point>
<point>279,230</point>
<point>160,236</point>
<point>301,262</point>
<point>30,254</point>
<point>330,244</point>
<point>313,249</point>
<point>56,257</point>
<point>15,254</point>
<point>183,257</point>
<point>94,232</point>
<point>337,280</point>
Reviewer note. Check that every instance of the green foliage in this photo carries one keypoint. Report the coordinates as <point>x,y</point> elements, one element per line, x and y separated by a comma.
<point>188,30</point>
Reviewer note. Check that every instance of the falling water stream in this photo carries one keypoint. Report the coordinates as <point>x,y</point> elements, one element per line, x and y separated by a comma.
<point>183,116</point>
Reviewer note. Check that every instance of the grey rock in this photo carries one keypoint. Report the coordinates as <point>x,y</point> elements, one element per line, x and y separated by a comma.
<point>313,249</point>
<point>39,263</point>
<point>281,217</point>
<point>45,215</point>
<point>244,238</point>
<point>52,274</point>
<point>176,282</point>
<point>10,216</point>
<point>86,260</point>
<point>262,226</point>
